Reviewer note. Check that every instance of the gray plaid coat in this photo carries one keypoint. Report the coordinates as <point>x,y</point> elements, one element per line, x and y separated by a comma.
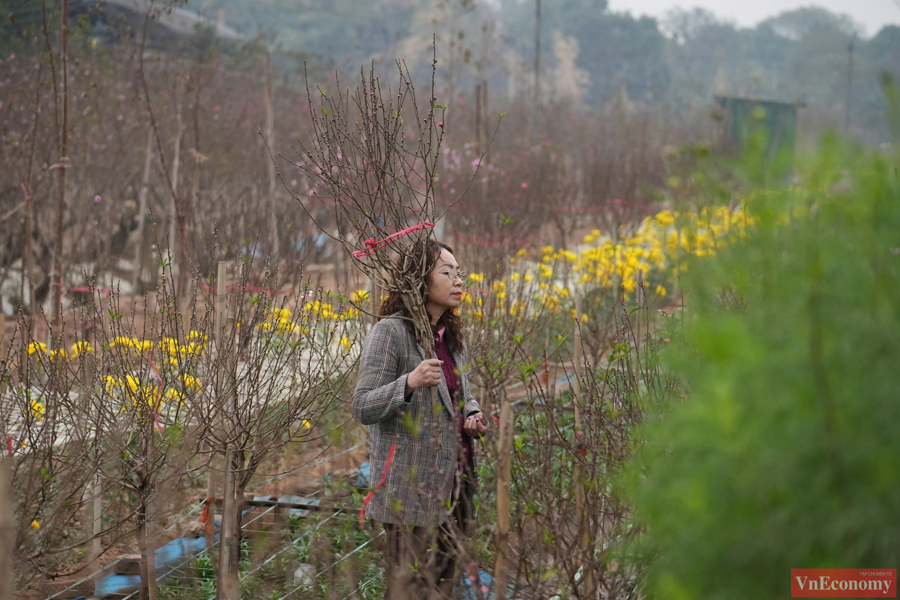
<point>420,479</point>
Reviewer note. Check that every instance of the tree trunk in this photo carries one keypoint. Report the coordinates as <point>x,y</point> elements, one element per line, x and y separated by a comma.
<point>63,167</point>
<point>174,216</point>
<point>270,140</point>
<point>227,588</point>
<point>142,211</point>
<point>147,545</point>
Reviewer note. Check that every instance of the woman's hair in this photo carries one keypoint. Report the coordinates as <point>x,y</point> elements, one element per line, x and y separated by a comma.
<point>429,252</point>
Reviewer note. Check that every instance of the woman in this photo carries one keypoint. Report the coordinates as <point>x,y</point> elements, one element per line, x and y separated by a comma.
<point>426,495</point>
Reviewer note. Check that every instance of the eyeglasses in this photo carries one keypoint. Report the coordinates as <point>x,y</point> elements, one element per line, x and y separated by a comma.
<point>451,275</point>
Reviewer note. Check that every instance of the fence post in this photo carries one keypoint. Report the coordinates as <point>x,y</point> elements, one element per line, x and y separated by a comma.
<point>7,530</point>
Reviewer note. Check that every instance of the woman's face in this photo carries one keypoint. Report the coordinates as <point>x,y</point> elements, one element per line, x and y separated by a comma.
<point>445,282</point>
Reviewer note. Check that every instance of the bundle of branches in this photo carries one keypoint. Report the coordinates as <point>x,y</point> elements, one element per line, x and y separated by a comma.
<point>373,158</point>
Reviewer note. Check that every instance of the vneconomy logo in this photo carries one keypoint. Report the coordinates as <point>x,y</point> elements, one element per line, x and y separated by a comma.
<point>843,583</point>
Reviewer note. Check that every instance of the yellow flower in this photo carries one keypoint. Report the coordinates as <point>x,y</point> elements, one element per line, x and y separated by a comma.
<point>37,410</point>
<point>306,424</point>
<point>660,290</point>
<point>173,394</point>
<point>133,383</point>
<point>61,353</point>
<point>37,347</point>
<point>476,277</point>
<point>79,348</point>
<point>522,253</point>
<point>196,335</point>
<point>346,343</point>
<point>120,341</point>
<point>191,382</point>
<point>360,296</point>
<point>35,525</point>
<point>285,326</point>
<point>112,383</point>
<point>547,249</point>
<point>192,349</point>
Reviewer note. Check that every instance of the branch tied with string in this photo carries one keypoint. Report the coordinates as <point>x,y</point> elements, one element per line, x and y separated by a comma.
<point>372,157</point>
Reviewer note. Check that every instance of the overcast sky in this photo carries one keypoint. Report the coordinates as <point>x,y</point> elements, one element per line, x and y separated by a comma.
<point>872,14</point>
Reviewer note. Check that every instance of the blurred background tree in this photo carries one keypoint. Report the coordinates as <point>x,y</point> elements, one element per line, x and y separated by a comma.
<point>784,451</point>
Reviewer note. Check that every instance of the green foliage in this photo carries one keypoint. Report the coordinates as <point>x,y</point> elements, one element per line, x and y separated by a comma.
<point>785,454</point>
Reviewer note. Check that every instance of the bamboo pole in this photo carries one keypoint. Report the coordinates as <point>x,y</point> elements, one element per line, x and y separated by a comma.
<point>501,564</point>
<point>219,339</point>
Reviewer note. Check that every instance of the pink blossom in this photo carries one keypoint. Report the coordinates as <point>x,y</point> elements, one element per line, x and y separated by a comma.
<point>121,97</point>
<point>441,124</point>
<point>524,186</point>
<point>293,182</point>
<point>97,198</point>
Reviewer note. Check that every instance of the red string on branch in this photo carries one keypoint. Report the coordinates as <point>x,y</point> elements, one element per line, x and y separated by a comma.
<point>370,495</point>
<point>372,245</point>
<point>9,444</point>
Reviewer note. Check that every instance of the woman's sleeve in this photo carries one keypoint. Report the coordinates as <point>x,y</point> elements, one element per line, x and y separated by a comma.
<point>379,391</point>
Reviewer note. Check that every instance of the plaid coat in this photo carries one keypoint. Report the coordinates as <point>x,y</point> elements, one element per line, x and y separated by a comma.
<point>420,479</point>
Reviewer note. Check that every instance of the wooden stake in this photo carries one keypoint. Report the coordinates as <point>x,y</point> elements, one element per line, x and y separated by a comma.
<point>501,566</point>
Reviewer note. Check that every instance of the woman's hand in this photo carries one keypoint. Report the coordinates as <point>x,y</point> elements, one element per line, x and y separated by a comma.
<point>427,374</point>
<point>474,425</point>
